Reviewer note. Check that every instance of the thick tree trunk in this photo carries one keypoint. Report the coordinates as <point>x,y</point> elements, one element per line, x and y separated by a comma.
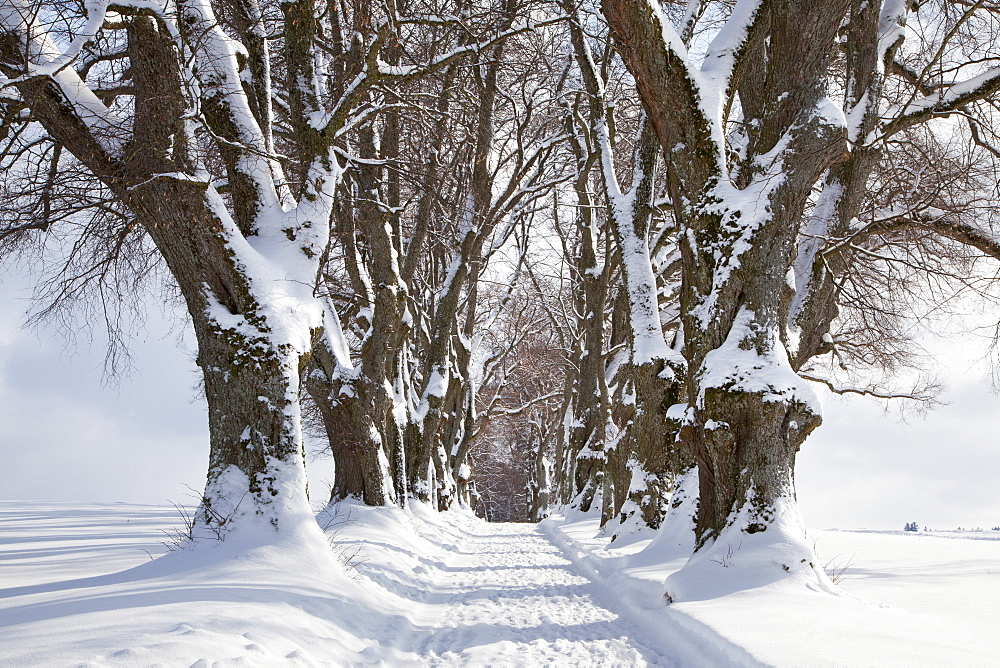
<point>747,465</point>
<point>250,363</point>
<point>359,459</point>
<point>359,405</point>
<point>357,413</point>
<point>738,221</point>
<point>422,438</point>
<point>257,465</point>
<point>655,458</point>
<point>250,350</point>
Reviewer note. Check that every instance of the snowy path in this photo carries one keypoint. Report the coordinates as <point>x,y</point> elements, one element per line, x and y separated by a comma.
<point>77,587</point>
<point>503,593</point>
<point>427,589</point>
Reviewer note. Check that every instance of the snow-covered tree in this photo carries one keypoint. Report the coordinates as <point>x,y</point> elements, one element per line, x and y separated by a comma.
<point>450,168</point>
<point>646,372</point>
<point>218,128</point>
<point>752,122</point>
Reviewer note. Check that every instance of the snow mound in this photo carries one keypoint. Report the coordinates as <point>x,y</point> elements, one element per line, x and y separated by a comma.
<point>738,562</point>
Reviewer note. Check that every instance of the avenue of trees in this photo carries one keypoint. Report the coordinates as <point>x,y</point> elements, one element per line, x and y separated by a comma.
<point>517,255</point>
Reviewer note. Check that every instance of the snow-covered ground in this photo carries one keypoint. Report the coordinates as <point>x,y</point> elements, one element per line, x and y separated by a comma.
<point>78,587</point>
<point>908,599</point>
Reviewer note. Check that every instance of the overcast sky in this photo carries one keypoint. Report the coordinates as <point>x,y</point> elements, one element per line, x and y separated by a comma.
<point>65,437</point>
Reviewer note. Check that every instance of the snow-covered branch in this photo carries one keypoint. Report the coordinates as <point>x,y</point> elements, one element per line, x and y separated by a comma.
<point>868,391</point>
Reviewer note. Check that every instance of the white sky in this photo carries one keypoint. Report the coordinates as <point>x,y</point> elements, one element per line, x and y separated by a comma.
<point>64,437</point>
<point>866,468</point>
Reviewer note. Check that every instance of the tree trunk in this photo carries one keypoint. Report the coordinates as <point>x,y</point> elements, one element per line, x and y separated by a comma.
<point>250,364</point>
<point>738,221</point>
<point>656,459</point>
<point>541,484</point>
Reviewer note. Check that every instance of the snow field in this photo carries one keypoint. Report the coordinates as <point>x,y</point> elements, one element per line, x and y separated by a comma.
<point>905,599</point>
<point>257,606</point>
<point>415,587</point>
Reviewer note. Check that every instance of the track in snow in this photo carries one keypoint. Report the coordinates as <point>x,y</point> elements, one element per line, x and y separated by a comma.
<point>505,594</point>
